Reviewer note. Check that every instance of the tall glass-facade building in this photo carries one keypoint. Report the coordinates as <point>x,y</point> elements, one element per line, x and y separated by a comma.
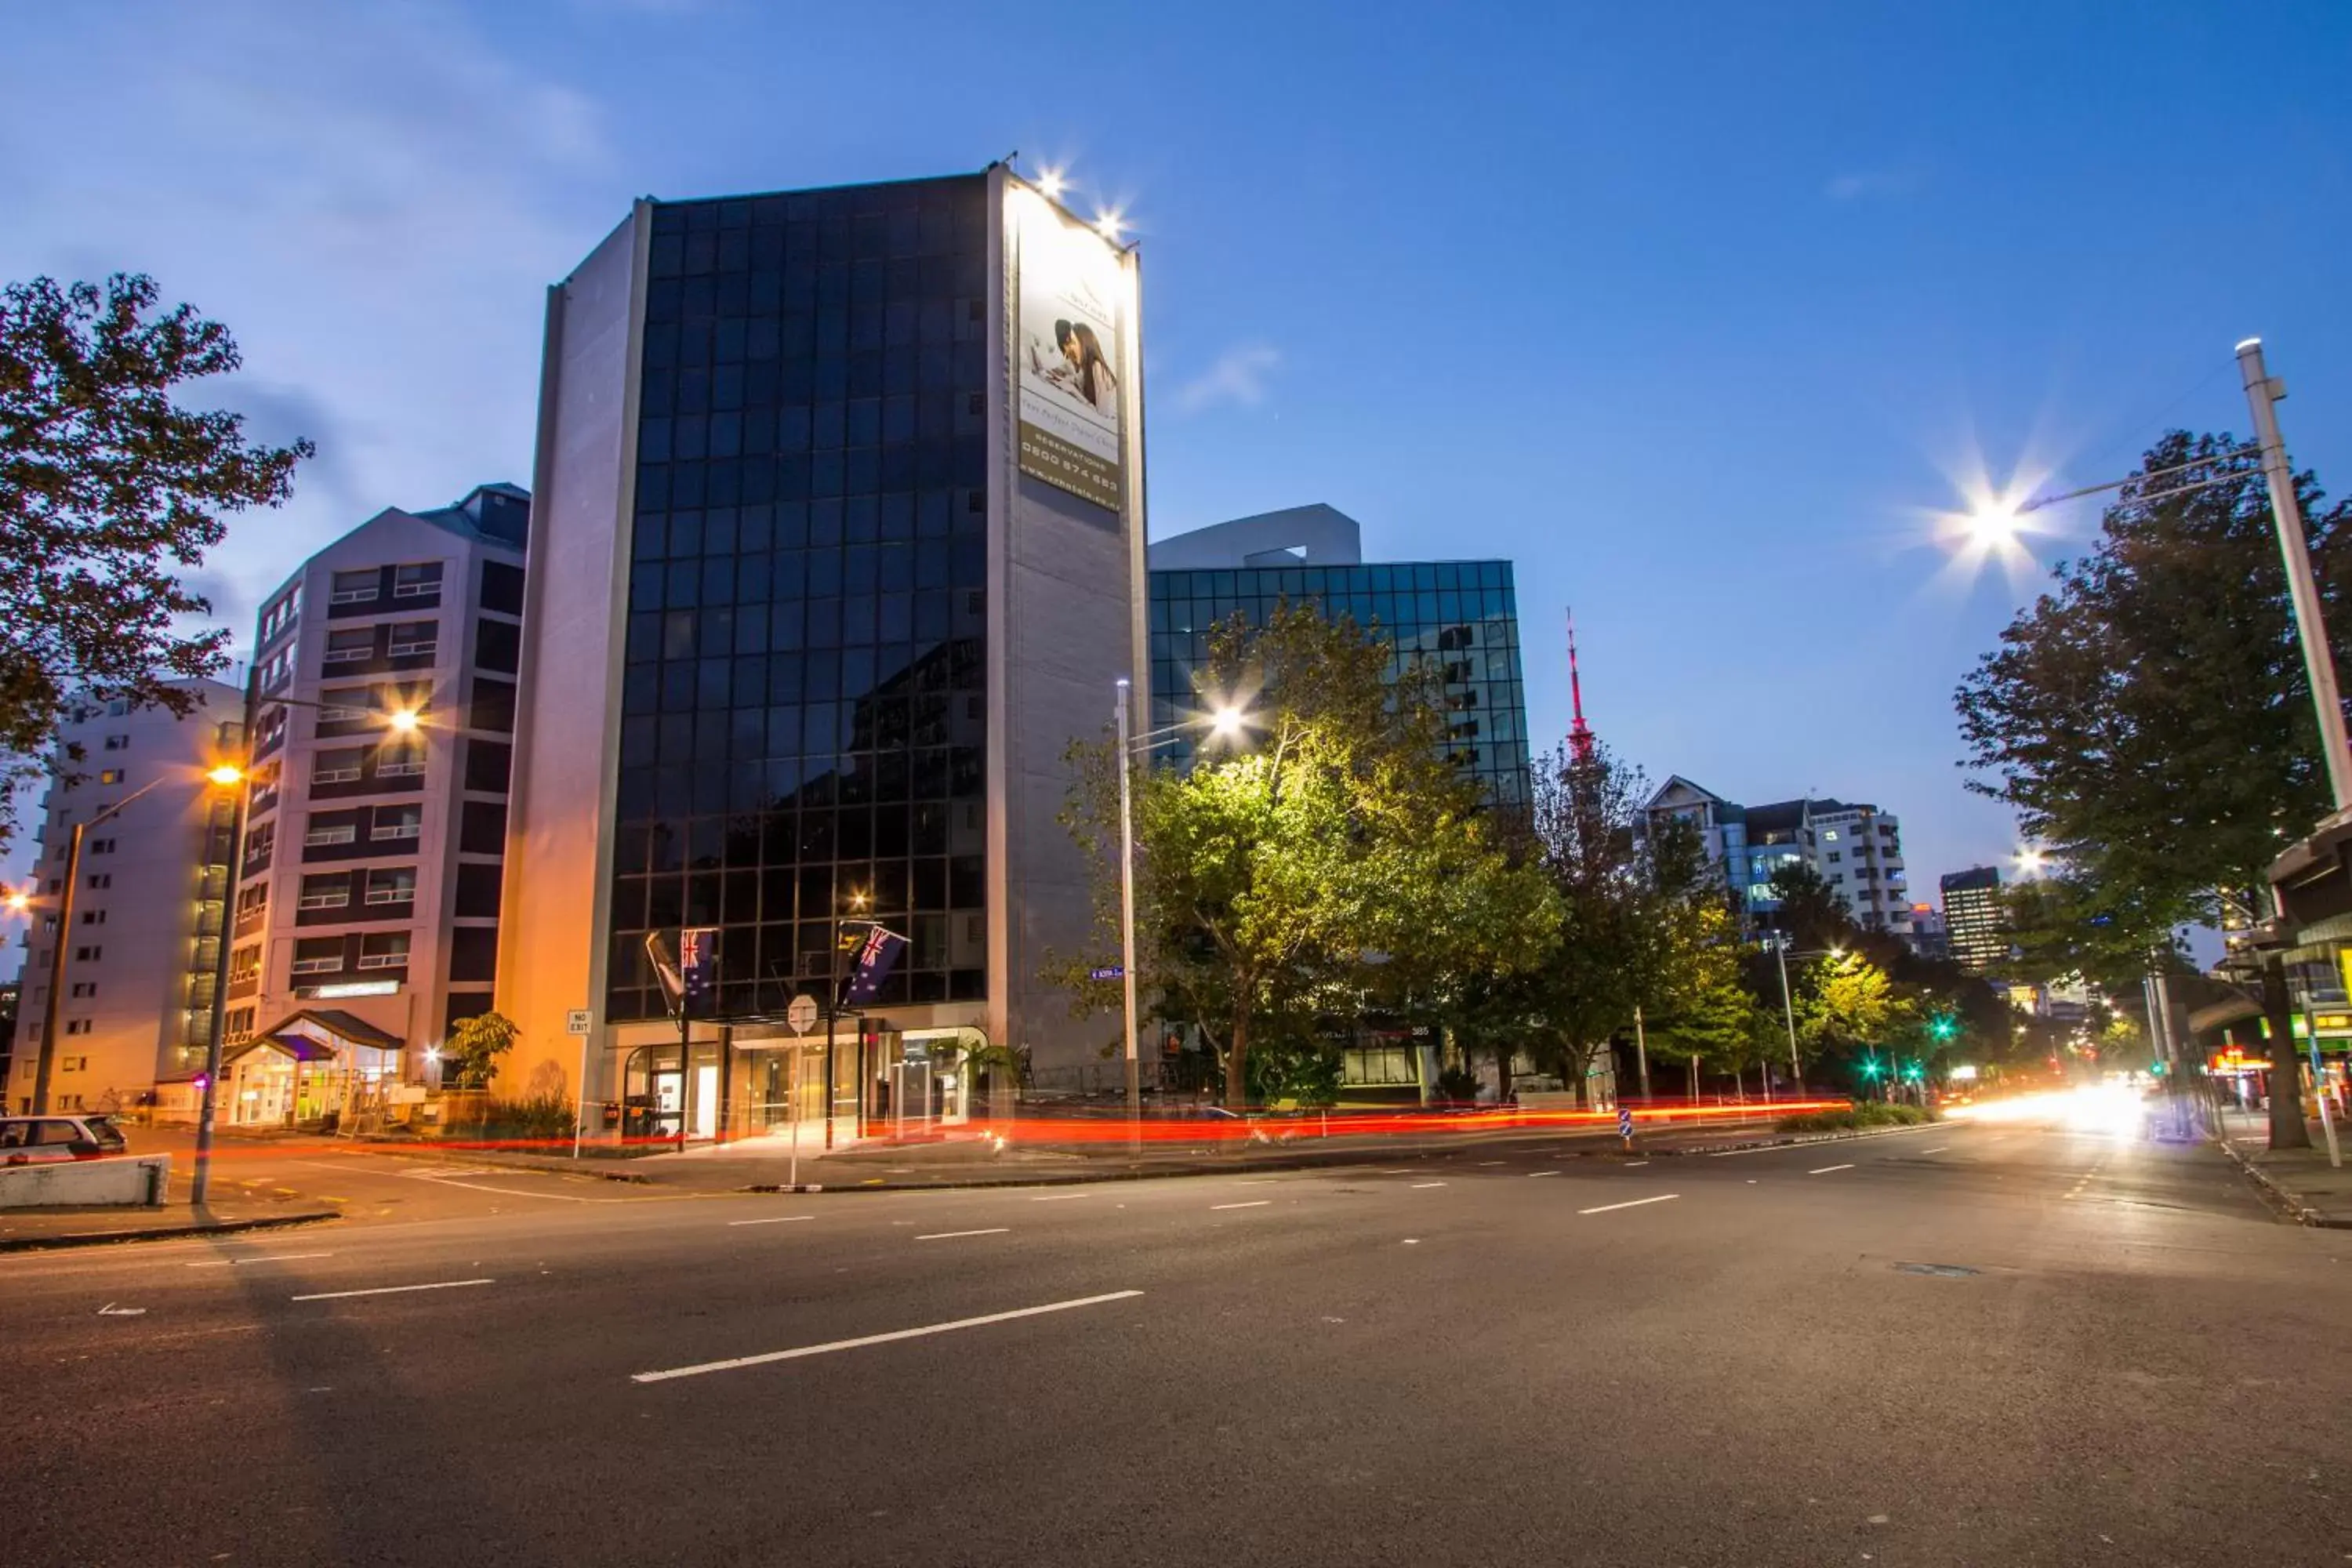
<point>841,491</point>
<point>1462,616</point>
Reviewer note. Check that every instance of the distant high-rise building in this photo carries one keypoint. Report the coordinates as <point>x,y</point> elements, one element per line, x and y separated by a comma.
<point>1929,939</point>
<point>141,948</point>
<point>1976,917</point>
<point>1857,849</point>
<point>367,901</point>
<point>1461,615</point>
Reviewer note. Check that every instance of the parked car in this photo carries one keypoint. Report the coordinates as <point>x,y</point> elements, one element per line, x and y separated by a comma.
<point>42,1140</point>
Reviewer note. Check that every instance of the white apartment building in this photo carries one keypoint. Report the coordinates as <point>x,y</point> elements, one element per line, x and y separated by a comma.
<point>367,904</point>
<point>140,938</point>
<point>1857,849</point>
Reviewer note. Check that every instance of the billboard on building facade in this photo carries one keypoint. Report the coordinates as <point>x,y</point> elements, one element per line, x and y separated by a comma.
<point>1069,371</point>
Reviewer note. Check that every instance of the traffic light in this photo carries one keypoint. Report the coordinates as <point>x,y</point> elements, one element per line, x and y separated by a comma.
<point>1870,1066</point>
<point>1944,1027</point>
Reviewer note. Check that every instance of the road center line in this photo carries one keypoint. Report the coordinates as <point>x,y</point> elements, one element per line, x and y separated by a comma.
<point>1635,1165</point>
<point>1532,1175</point>
<point>774,1219</point>
<point>1418,1185</point>
<point>1936,1150</point>
<point>859,1344</point>
<point>951,1234</point>
<point>1483,1164</point>
<point>272,1257</point>
<point>1825,1170</point>
<point>1637,1202</point>
<point>1059,1197</point>
<point>517,1191</point>
<point>392,1289</point>
<point>1252,1204</point>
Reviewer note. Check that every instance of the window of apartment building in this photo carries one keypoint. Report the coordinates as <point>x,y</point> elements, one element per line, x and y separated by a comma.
<point>342,827</point>
<point>392,884</point>
<point>109,775</point>
<point>93,917</point>
<point>118,743</point>
<point>278,670</point>
<point>243,962</point>
<point>118,708</point>
<point>350,645</point>
<point>270,728</point>
<point>331,890</point>
<point>237,1024</point>
<point>413,640</point>
<point>346,705</point>
<point>404,761</point>
<point>251,902</point>
<point>84,988</point>
<point>385,950</point>
<point>397,822</point>
<point>417,579</point>
<point>1835,856</point>
<point>76,1064</point>
<point>101,879</point>
<point>259,842</point>
<point>78,1027</point>
<point>355,587</point>
<point>99,846</point>
<point>318,955</point>
<point>1829,835</point>
<point>89,955</point>
<point>280,617</point>
<point>342,765</point>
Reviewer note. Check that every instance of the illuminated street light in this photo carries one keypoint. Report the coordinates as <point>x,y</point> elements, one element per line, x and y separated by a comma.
<point>225,774</point>
<point>1052,181</point>
<point>2031,860</point>
<point>1226,722</point>
<point>403,721</point>
<point>18,901</point>
<point>1108,223</point>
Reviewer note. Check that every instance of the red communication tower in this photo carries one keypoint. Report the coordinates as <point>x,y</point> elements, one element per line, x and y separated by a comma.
<point>1579,734</point>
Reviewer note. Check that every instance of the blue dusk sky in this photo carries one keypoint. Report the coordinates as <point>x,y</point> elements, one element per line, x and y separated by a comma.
<point>1699,313</point>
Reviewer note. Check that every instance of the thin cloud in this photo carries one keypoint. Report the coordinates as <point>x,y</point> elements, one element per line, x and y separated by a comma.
<point>1869,185</point>
<point>1238,377</point>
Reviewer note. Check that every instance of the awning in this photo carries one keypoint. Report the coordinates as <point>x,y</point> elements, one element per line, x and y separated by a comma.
<point>332,1025</point>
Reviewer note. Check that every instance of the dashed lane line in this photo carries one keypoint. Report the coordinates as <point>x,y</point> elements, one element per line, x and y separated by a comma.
<point>738,1362</point>
<point>1634,1204</point>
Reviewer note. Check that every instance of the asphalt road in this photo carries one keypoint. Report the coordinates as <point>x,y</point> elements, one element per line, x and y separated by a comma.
<point>1997,1345</point>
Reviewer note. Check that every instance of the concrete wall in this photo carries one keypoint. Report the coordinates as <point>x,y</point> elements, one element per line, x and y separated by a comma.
<point>559,836</point>
<point>143,1182</point>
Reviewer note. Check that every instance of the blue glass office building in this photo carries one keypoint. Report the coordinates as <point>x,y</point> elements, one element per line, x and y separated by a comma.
<point>1463,614</point>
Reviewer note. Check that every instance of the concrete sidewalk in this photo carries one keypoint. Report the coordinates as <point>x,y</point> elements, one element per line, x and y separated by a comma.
<point>2302,1180</point>
<point>30,1230</point>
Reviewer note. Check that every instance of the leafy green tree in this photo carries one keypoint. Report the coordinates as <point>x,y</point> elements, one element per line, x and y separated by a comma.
<point>109,489</point>
<point>1847,1007</point>
<point>1334,856</point>
<point>476,1045</point>
<point>1709,1013</point>
<point>1811,911</point>
<point>2148,717</point>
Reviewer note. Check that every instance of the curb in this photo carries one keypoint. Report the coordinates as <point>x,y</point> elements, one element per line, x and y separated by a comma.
<point>1303,1161</point>
<point>164,1231</point>
<point>2282,1197</point>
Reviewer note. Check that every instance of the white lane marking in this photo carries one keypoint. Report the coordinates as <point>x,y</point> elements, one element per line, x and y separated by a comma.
<point>951,1234</point>
<point>827,1348</point>
<point>774,1219</point>
<point>1637,1202</point>
<point>1418,1185</point>
<point>1060,1197</point>
<point>1483,1164</point>
<point>1936,1150</point>
<point>1532,1175</point>
<point>517,1191</point>
<point>392,1289</point>
<point>1412,1241</point>
<point>1254,1203</point>
<point>112,1310</point>
<point>1256,1181</point>
<point>272,1257</point>
<point>1394,1173</point>
<point>1635,1165</point>
<point>1825,1170</point>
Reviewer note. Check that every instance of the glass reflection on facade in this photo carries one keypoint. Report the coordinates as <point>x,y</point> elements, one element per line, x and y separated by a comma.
<point>1461,614</point>
<point>804,694</point>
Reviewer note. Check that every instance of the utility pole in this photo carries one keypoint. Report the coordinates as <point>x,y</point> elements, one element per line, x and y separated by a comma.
<point>2263,393</point>
<point>208,1099</point>
<point>1127,918</point>
<point>46,1061</point>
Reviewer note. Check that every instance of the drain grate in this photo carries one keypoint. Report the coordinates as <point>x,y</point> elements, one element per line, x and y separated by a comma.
<point>1942,1271</point>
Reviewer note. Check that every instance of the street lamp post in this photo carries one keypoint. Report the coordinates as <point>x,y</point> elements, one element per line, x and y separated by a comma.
<point>1225,724</point>
<point>1781,941</point>
<point>402,721</point>
<point>1127,917</point>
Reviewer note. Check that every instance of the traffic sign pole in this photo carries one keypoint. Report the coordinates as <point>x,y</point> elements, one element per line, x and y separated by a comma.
<point>1626,1126</point>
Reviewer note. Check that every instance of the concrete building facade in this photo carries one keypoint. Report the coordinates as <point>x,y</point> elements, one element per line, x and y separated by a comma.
<point>368,896</point>
<point>1856,848</point>
<point>142,945</point>
<point>838,542</point>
